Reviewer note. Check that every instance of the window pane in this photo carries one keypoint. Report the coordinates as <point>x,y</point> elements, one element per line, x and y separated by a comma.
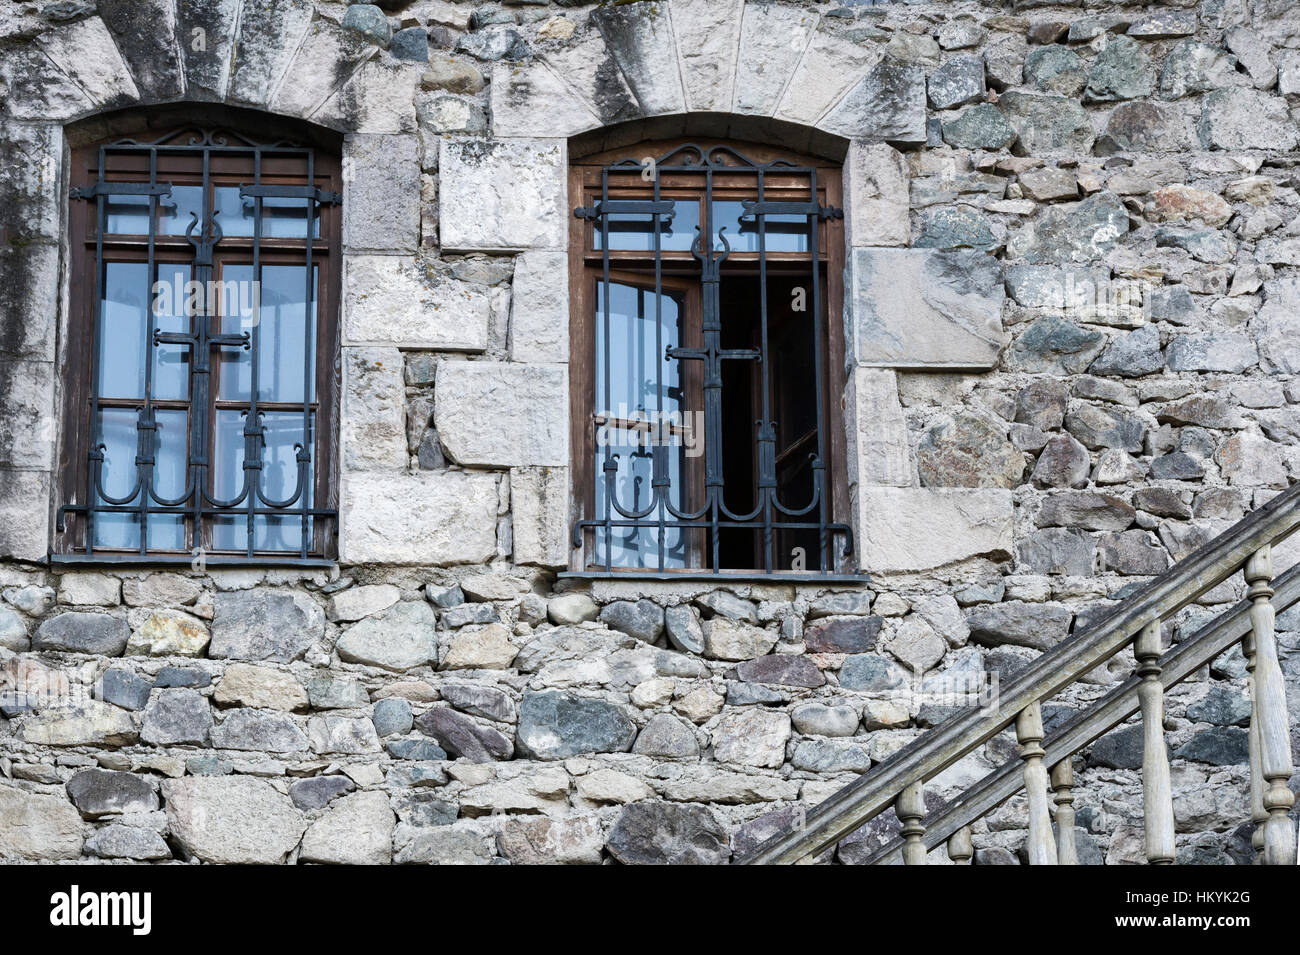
<point>644,404</point>
<point>116,431</point>
<point>171,368</point>
<point>167,531</point>
<point>120,437</point>
<point>127,215</point>
<point>784,233</point>
<point>635,232</point>
<point>282,334</point>
<point>638,546</point>
<point>169,471</point>
<point>184,206</point>
<point>279,481</point>
<point>281,218</point>
<point>640,378</point>
<point>122,328</point>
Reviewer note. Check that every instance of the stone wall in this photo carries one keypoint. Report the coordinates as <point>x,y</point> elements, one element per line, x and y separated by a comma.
<point>1071,288</point>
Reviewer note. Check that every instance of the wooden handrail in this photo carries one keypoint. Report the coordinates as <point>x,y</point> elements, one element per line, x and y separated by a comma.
<point>1099,718</point>
<point>1159,599</point>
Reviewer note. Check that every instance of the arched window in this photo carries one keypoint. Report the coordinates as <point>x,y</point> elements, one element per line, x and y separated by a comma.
<point>707,361</point>
<point>200,363</point>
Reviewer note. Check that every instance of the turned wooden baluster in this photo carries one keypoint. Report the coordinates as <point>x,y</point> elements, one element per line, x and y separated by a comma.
<point>1258,814</point>
<point>1029,732</point>
<point>1157,794</point>
<point>910,808</point>
<point>1270,734</point>
<point>1063,786</point>
<point>960,847</point>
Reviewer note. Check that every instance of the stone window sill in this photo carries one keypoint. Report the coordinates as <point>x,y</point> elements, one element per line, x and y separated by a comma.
<point>747,577</point>
<point>173,560</point>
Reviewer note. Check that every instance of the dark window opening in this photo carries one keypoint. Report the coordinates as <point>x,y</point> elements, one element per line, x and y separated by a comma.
<point>201,362</point>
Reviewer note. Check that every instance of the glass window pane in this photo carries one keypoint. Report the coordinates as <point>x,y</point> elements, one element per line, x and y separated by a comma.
<point>228,455</point>
<point>282,218</point>
<point>644,405</point>
<point>640,378</point>
<point>167,531</point>
<point>279,481</point>
<point>122,329</point>
<point>639,546</point>
<point>286,218</point>
<point>277,311</point>
<point>169,471</point>
<point>178,211</point>
<point>117,477</point>
<point>634,232</point>
<point>234,215</point>
<point>171,368</point>
<point>126,215</point>
<point>784,233</point>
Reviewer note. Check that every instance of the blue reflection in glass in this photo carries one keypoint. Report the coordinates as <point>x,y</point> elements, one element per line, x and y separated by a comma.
<point>635,232</point>
<point>784,233</point>
<point>637,366</point>
<point>184,206</point>
<point>282,218</point>
<point>167,531</point>
<point>118,475</point>
<point>122,329</point>
<point>279,480</point>
<point>126,215</point>
<point>282,333</point>
<point>171,372</point>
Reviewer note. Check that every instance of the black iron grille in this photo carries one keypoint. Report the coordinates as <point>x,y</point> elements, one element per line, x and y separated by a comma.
<point>204,394</point>
<point>709,433</point>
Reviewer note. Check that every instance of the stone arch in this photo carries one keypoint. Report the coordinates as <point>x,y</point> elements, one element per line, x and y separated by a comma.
<point>754,60</point>
<point>732,127</point>
<point>278,56</point>
<point>139,121</point>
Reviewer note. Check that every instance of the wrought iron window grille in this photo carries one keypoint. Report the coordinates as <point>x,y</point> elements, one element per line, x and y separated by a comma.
<point>628,521</point>
<point>275,523</point>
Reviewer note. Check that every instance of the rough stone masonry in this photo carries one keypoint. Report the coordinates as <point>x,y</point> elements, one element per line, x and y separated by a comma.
<point>1073,324</point>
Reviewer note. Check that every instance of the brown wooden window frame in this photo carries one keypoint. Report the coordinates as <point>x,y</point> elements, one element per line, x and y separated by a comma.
<point>680,272</point>
<point>191,155</point>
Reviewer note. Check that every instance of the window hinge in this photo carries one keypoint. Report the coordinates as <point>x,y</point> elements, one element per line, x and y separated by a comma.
<point>321,196</point>
<point>104,188</point>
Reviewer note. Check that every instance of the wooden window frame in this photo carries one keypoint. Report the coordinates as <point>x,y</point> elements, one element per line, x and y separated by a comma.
<point>585,264</point>
<point>77,358</point>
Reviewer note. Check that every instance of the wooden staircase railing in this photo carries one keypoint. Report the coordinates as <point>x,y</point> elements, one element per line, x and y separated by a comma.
<point>899,781</point>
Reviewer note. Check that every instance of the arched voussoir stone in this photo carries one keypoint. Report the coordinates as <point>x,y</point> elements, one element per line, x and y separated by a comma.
<point>86,53</point>
<point>278,56</point>
<point>530,99</point>
<point>379,98</point>
<point>145,32</point>
<point>205,30</point>
<point>327,59</point>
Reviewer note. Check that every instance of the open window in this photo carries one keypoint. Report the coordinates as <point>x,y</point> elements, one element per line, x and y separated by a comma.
<point>200,366</point>
<point>705,362</point>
